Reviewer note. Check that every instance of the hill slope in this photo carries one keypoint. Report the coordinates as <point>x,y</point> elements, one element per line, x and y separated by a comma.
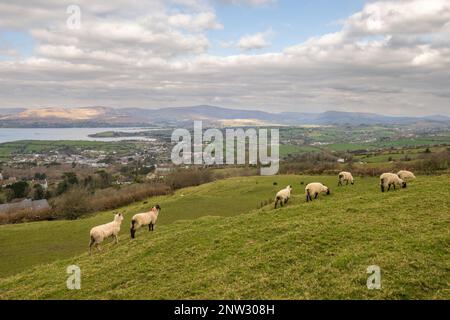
<point>317,250</point>
<point>25,245</point>
<point>182,116</point>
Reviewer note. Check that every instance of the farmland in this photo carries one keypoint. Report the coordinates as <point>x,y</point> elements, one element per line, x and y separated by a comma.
<point>319,250</point>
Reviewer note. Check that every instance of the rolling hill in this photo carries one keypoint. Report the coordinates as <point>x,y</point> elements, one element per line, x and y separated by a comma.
<point>211,115</point>
<point>228,249</point>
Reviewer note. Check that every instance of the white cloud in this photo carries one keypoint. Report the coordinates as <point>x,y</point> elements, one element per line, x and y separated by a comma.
<point>391,57</point>
<point>201,21</point>
<point>255,3</point>
<point>258,40</point>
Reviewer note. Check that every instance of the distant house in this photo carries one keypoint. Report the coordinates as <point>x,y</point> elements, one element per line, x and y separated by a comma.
<point>42,183</point>
<point>27,204</point>
<point>152,176</point>
<point>341,160</point>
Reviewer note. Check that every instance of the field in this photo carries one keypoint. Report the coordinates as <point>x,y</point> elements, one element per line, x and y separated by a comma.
<point>8,149</point>
<point>212,242</point>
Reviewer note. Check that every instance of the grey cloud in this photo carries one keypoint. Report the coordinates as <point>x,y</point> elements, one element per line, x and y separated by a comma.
<point>144,58</point>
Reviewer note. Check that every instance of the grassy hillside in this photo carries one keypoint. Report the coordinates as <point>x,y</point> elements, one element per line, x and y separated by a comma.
<point>316,250</point>
<point>25,245</point>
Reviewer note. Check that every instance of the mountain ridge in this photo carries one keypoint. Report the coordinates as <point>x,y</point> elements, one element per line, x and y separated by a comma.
<point>97,116</point>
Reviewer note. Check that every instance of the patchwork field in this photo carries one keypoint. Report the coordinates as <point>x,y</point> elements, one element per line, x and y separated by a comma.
<point>212,242</point>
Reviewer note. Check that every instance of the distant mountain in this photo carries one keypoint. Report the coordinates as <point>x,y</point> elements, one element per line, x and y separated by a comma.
<point>437,117</point>
<point>210,115</point>
<point>350,118</point>
<point>7,111</point>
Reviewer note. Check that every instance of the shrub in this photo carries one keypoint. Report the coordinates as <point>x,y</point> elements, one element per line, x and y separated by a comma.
<point>25,216</point>
<point>72,204</point>
<point>79,201</point>
<point>183,178</point>
<point>20,189</point>
<point>108,199</point>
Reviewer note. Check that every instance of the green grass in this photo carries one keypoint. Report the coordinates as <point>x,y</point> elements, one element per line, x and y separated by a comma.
<point>40,243</point>
<point>8,149</point>
<point>288,149</point>
<point>302,251</point>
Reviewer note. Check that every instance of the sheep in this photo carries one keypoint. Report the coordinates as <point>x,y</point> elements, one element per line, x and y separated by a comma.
<point>100,233</point>
<point>406,175</point>
<point>345,177</point>
<point>144,219</point>
<point>314,189</point>
<point>391,179</point>
<point>283,196</point>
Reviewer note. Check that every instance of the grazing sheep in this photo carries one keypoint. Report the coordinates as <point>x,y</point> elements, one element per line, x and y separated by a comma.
<point>144,219</point>
<point>100,233</point>
<point>314,189</point>
<point>346,177</point>
<point>391,179</point>
<point>283,196</point>
<point>406,175</point>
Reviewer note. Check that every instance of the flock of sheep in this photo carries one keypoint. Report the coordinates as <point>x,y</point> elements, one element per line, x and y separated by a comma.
<point>99,233</point>
<point>112,229</point>
<point>387,180</point>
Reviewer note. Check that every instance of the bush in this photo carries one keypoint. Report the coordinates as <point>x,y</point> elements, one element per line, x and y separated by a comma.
<point>108,199</point>
<point>25,216</point>
<point>78,201</point>
<point>72,204</point>
<point>183,178</point>
<point>20,189</point>
<point>38,192</point>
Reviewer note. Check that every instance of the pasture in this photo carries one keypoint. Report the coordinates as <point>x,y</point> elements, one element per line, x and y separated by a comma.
<point>212,242</point>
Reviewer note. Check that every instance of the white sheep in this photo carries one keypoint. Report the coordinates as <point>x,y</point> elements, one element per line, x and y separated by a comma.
<point>391,179</point>
<point>346,177</point>
<point>100,233</point>
<point>144,219</point>
<point>406,175</point>
<point>283,196</point>
<point>314,189</point>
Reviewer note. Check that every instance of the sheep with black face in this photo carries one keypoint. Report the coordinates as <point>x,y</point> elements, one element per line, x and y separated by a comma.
<point>346,177</point>
<point>387,180</point>
<point>144,219</point>
<point>283,196</point>
<point>99,233</point>
<point>314,189</point>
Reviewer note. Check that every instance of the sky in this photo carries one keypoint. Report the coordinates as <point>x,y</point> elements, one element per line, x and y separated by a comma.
<point>386,56</point>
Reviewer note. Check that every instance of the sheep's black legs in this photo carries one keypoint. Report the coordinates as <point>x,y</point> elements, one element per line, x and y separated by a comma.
<point>153,226</point>
<point>150,227</point>
<point>316,195</point>
<point>339,183</point>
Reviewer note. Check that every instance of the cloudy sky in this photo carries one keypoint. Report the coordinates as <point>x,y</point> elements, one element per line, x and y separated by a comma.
<point>388,56</point>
